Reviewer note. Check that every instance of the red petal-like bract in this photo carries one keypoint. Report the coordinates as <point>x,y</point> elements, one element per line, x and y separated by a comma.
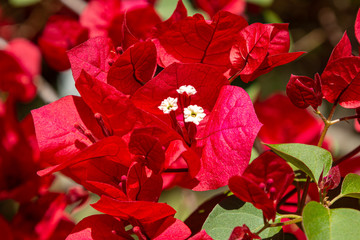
<point>147,150</point>
<point>342,49</point>
<point>213,6</point>
<point>291,126</point>
<point>179,13</point>
<point>98,15</point>
<point>228,138</point>
<point>357,26</point>
<point>263,183</point>
<point>251,47</point>
<point>136,23</point>
<point>19,157</point>
<point>19,48</point>
<point>243,233</point>
<point>99,227</point>
<point>113,147</point>
<point>17,73</point>
<point>92,56</point>
<point>248,191</point>
<point>140,186</point>
<point>304,91</point>
<point>60,34</point>
<point>341,82</point>
<point>118,111</point>
<point>154,219</point>
<point>43,218</point>
<point>260,48</point>
<point>224,142</point>
<point>194,40</point>
<point>205,79</point>
<point>58,139</point>
<point>133,68</point>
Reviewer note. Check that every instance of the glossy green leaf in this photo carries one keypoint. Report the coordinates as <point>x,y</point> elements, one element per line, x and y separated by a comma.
<point>232,212</point>
<point>308,158</point>
<point>351,186</point>
<point>331,224</point>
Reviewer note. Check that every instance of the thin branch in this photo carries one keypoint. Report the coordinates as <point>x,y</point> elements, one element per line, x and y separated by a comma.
<point>345,119</point>
<point>347,156</point>
<point>76,6</point>
<point>45,91</point>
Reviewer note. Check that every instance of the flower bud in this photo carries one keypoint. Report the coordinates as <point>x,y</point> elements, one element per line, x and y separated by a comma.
<point>304,91</point>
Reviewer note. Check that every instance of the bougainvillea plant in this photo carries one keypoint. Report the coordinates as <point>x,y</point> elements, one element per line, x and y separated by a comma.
<point>159,107</point>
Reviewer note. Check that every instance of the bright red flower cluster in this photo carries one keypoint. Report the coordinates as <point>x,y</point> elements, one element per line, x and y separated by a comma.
<point>156,110</point>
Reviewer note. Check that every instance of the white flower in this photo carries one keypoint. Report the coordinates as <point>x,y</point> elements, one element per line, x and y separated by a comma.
<point>169,104</point>
<point>188,89</point>
<point>194,113</point>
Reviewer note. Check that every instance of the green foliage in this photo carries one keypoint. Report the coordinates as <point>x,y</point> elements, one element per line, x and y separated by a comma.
<point>262,3</point>
<point>308,158</point>
<point>165,8</point>
<point>232,212</point>
<point>23,3</point>
<point>332,224</point>
<point>350,187</point>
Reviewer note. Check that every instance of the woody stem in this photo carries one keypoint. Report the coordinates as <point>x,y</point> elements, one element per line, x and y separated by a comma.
<point>327,123</point>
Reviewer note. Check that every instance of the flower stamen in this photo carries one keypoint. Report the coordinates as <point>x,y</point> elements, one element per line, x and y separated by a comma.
<point>188,89</point>
<point>169,104</point>
<point>194,114</point>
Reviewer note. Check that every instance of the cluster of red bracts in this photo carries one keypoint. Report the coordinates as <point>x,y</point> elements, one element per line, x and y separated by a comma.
<point>115,140</point>
<point>125,140</point>
<point>339,82</point>
<point>40,214</point>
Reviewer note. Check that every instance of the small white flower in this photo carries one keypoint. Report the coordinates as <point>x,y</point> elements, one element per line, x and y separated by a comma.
<point>169,104</point>
<point>188,89</point>
<point>194,113</point>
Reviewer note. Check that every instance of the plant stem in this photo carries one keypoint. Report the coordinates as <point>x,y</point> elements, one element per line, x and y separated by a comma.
<point>345,119</point>
<point>290,216</point>
<point>347,156</point>
<point>45,91</point>
<point>335,199</point>
<point>303,197</point>
<point>296,219</point>
<point>286,197</point>
<point>76,6</point>
<point>327,124</point>
<point>232,78</point>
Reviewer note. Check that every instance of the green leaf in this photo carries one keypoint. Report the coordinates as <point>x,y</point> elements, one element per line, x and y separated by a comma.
<point>254,155</point>
<point>308,158</point>
<point>271,17</point>
<point>331,224</point>
<point>165,8</point>
<point>23,3</point>
<point>231,213</point>
<point>261,3</point>
<point>351,186</point>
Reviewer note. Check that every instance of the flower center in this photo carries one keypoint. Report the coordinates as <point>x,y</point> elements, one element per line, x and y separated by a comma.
<point>194,114</point>
<point>191,113</point>
<point>188,89</point>
<point>169,104</point>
